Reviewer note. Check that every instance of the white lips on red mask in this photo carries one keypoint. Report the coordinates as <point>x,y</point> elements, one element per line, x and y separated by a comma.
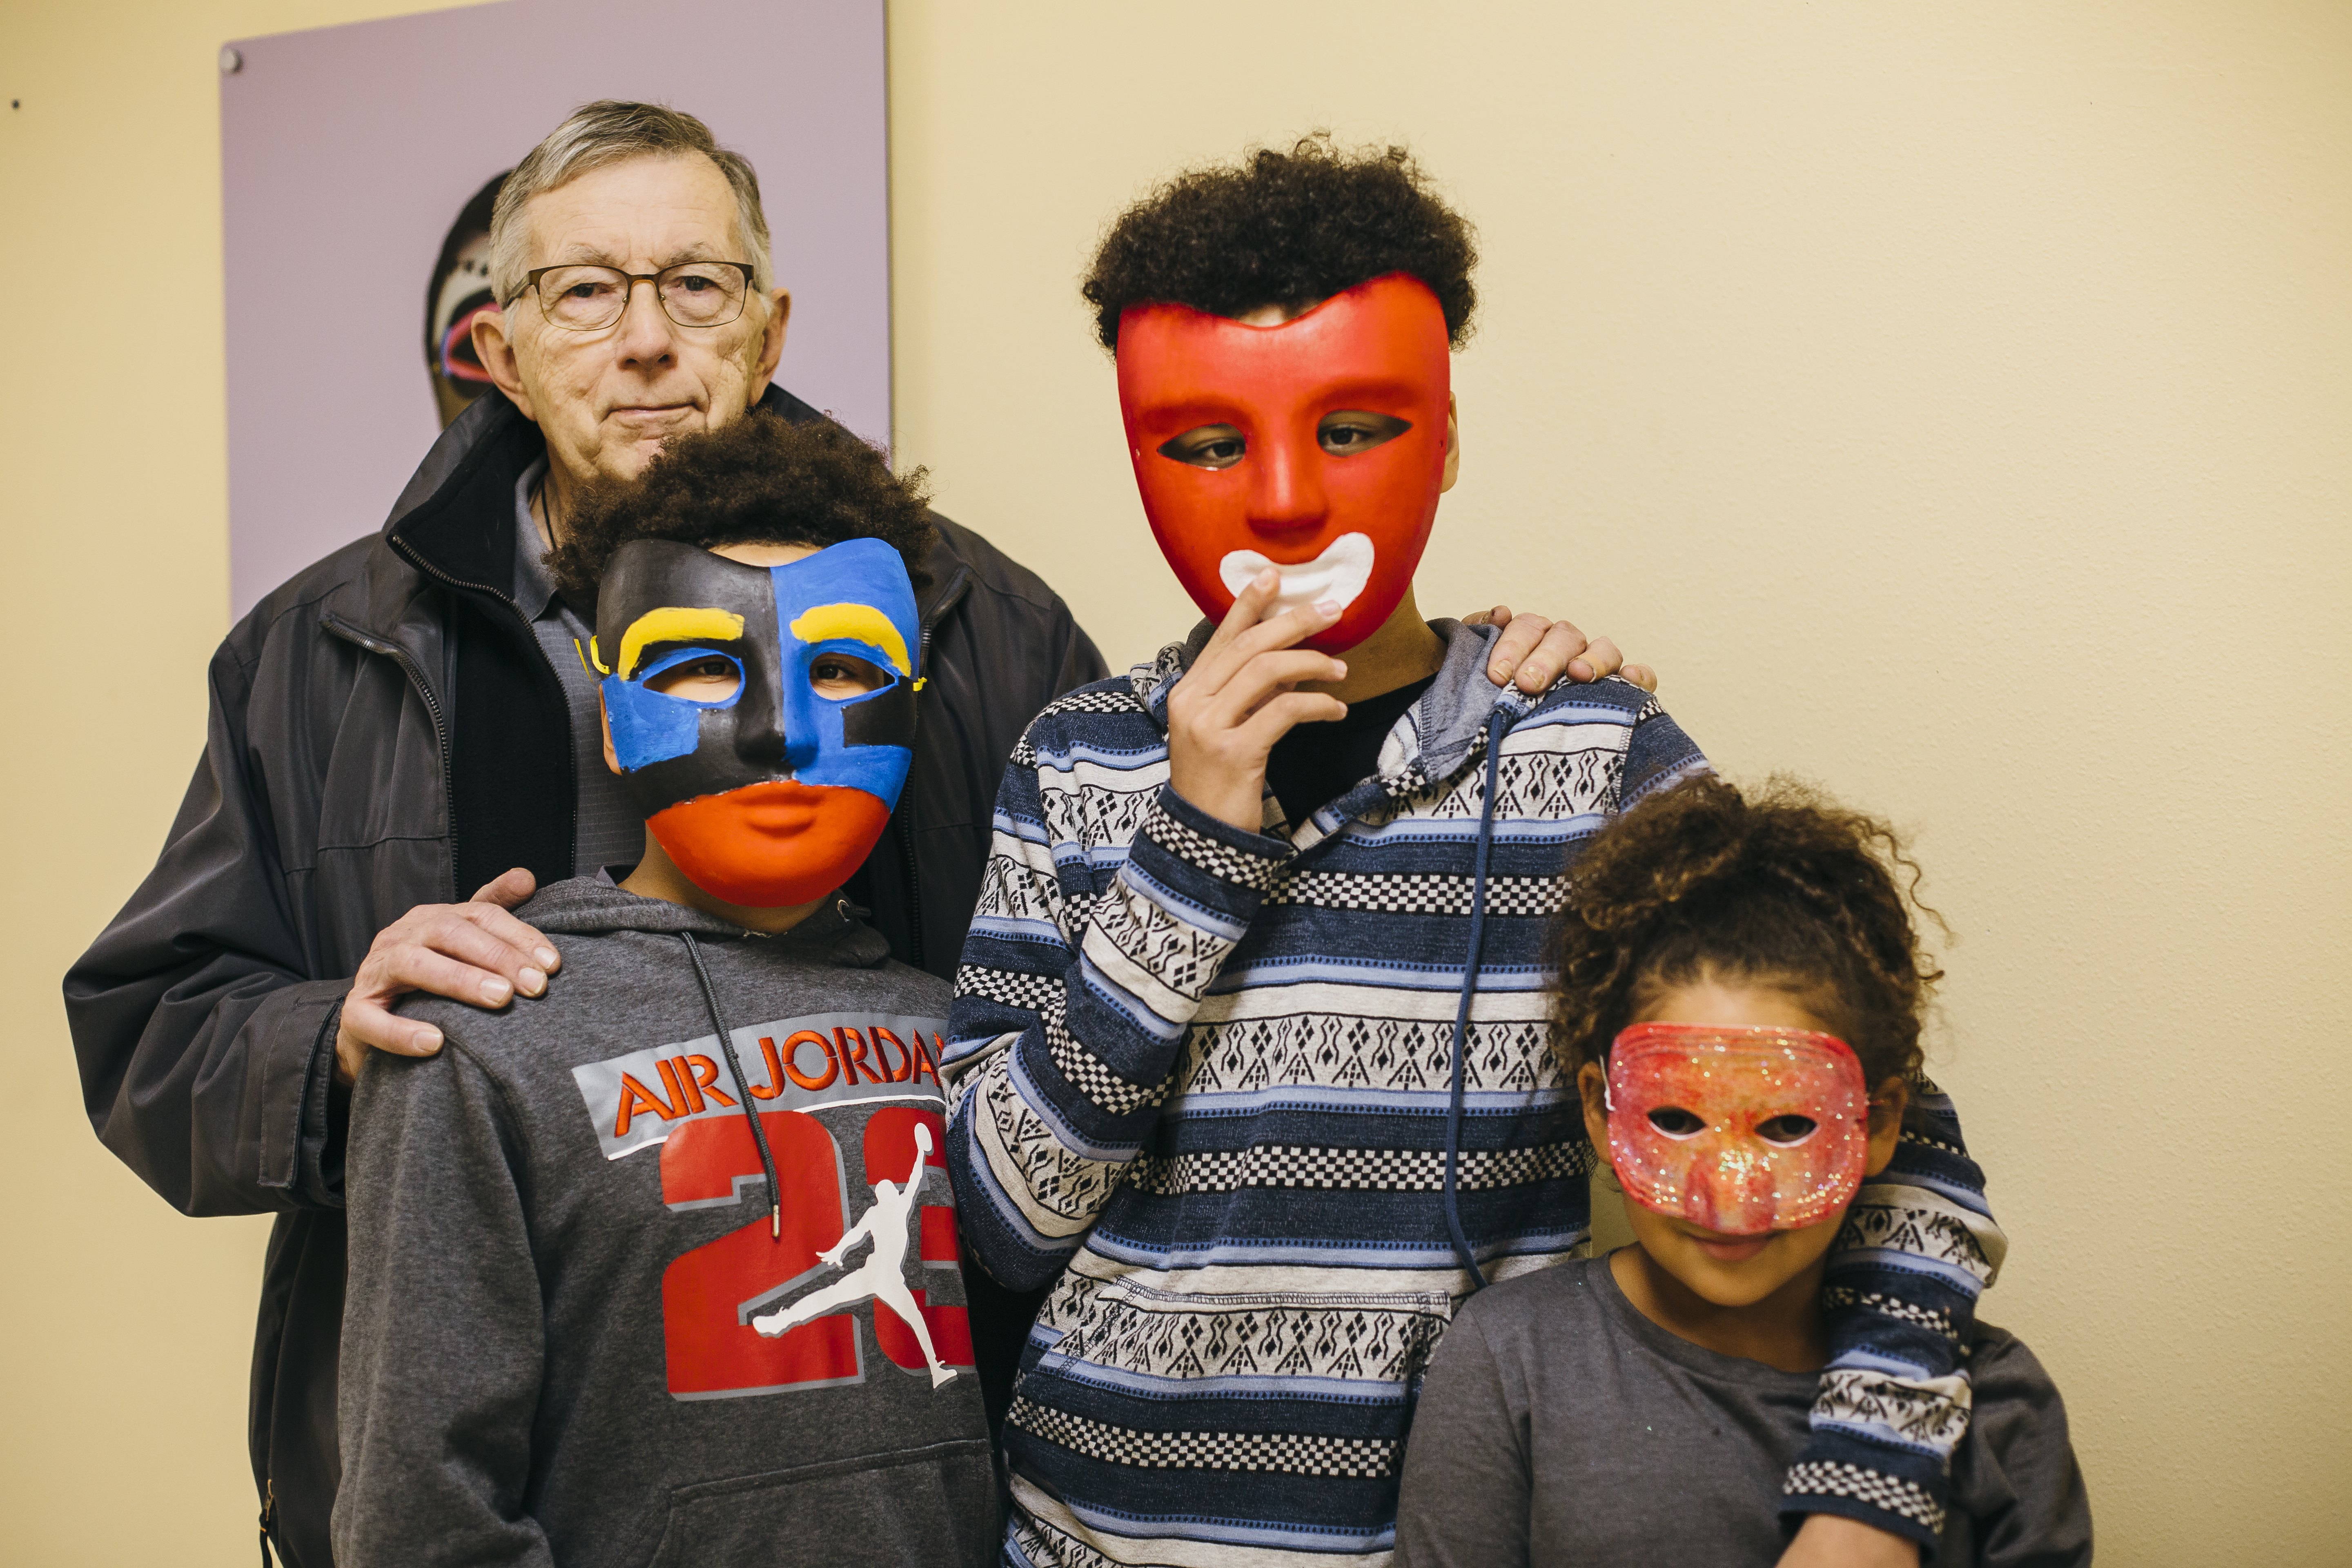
<point>1338,574</point>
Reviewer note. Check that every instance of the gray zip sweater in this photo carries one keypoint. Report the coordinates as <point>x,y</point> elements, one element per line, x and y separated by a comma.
<point>576,1334</point>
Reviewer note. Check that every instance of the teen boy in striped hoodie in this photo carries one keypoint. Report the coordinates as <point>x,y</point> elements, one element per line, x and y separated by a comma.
<point>1248,1045</point>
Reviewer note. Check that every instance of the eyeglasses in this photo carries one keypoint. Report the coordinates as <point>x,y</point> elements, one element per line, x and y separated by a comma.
<point>590,298</point>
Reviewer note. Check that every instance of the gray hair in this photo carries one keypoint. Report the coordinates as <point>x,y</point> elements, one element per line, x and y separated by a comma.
<point>611,132</point>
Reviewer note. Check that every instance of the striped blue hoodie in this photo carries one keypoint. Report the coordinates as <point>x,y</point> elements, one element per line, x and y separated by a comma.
<point>1209,1078</point>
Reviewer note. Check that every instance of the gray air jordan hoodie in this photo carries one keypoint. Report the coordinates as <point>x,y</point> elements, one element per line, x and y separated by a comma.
<point>581,1331</point>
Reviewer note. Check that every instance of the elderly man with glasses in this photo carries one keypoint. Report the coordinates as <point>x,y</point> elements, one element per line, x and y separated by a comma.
<point>410,719</point>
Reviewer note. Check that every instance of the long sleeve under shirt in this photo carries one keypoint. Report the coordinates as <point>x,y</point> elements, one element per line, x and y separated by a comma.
<point>1201,1075</point>
<point>1560,1426</point>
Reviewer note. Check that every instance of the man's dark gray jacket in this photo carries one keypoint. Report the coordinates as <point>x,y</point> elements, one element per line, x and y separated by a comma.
<point>384,732</point>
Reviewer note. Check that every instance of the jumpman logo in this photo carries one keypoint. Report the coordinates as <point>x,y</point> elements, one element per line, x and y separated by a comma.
<point>883,1275</point>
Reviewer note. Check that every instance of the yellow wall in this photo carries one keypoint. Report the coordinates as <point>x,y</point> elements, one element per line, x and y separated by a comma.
<point>1956,403</point>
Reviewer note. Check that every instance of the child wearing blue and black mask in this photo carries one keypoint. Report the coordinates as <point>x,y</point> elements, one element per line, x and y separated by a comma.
<point>662,1264</point>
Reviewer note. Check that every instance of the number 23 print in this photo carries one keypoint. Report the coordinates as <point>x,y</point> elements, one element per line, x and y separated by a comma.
<point>711,1295</point>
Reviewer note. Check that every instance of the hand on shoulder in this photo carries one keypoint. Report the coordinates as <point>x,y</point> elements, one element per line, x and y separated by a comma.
<point>475,952</point>
<point>1535,651</point>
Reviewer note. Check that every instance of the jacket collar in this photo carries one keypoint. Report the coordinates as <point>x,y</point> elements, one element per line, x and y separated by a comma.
<point>834,931</point>
<point>453,525</point>
<point>455,520</point>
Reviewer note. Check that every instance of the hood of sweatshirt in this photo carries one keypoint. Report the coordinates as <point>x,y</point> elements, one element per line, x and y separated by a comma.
<point>834,932</point>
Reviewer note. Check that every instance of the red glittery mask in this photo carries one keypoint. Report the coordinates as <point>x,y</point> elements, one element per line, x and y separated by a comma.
<point>1741,1130</point>
<point>1299,485</point>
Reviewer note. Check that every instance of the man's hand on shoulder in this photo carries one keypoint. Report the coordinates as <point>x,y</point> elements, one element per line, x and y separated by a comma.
<point>1832,1541</point>
<point>1535,650</point>
<point>474,952</point>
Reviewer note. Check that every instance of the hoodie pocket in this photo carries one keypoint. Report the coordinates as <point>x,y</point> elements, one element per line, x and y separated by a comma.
<point>935,1507</point>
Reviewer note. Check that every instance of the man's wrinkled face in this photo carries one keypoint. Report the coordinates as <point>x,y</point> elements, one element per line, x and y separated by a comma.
<point>1317,445</point>
<point>606,400</point>
<point>762,717</point>
<point>1741,1130</point>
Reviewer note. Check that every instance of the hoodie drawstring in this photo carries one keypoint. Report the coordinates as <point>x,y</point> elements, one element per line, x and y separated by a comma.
<point>735,1068</point>
<point>1495,726</point>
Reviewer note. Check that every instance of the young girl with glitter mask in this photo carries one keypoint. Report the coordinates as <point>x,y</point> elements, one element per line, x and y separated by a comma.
<point>1740,988</point>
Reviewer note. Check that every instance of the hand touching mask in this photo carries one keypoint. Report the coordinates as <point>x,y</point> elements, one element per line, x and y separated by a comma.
<point>1318,447</point>
<point>1742,1131</point>
<point>762,717</point>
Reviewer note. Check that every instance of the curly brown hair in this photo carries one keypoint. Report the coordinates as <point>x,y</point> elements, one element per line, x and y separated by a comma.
<point>1788,889</point>
<point>757,479</point>
<point>1287,229</point>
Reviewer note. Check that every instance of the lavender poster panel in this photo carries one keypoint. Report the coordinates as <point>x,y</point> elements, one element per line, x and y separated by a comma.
<point>348,152</point>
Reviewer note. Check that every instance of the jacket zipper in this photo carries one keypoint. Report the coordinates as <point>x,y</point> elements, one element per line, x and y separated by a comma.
<point>268,1517</point>
<point>399,656</point>
<point>905,837</point>
<point>402,547</point>
<point>947,600</point>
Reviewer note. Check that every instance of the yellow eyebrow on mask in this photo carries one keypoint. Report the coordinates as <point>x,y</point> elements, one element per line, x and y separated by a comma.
<point>672,624</point>
<point>861,622</point>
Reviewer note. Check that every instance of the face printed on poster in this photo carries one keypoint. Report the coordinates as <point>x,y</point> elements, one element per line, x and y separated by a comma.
<point>458,293</point>
<point>1742,1131</point>
<point>460,296</point>
<point>1317,446</point>
<point>762,717</point>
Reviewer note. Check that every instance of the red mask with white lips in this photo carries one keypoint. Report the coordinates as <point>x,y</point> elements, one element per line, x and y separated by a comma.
<point>1741,1130</point>
<point>1344,518</point>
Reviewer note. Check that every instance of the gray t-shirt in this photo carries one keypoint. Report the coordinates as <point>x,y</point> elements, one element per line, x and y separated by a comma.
<point>610,830</point>
<point>1558,1426</point>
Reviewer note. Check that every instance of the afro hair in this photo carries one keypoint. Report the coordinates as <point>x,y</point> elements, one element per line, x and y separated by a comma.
<point>1779,887</point>
<point>1284,229</point>
<point>759,479</point>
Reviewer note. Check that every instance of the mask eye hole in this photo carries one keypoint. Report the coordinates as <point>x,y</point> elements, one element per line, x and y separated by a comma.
<point>1675,1122</point>
<point>1207,446</point>
<point>1787,1130</point>
<point>1354,430</point>
<point>711,678</point>
<point>841,675</point>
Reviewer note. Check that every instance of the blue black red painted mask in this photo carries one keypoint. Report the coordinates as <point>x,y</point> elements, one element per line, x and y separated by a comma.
<point>773,795</point>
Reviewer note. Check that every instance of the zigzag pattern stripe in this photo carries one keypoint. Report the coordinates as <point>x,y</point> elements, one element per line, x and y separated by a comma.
<point>1163,1334</point>
<point>1403,1055</point>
